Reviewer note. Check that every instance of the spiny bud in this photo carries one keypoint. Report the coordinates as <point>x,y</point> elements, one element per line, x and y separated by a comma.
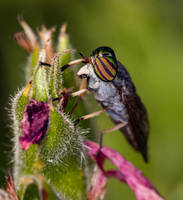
<point>48,147</point>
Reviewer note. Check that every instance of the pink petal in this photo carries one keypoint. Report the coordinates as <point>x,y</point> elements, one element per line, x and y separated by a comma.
<point>98,185</point>
<point>142,187</point>
<point>115,174</point>
<point>34,123</point>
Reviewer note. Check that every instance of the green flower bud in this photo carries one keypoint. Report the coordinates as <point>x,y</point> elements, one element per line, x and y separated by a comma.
<point>48,147</point>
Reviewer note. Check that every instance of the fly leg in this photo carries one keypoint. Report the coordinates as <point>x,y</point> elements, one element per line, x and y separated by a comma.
<point>78,93</point>
<point>82,87</point>
<point>66,93</point>
<point>72,63</point>
<point>84,59</point>
<point>91,115</point>
<point>101,134</point>
<point>114,128</point>
<point>65,66</point>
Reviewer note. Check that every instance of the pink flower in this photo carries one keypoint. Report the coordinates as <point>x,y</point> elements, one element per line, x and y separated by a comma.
<point>127,173</point>
<point>34,123</point>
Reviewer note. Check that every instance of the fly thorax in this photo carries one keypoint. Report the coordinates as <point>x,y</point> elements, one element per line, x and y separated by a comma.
<point>105,93</point>
<point>102,91</point>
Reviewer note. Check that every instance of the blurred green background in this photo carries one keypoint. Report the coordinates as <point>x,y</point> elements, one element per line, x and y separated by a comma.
<point>147,37</point>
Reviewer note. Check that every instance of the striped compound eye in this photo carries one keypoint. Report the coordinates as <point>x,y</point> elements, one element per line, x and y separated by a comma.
<point>105,64</point>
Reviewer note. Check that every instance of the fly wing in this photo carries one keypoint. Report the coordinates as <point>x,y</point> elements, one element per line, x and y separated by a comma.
<point>137,130</point>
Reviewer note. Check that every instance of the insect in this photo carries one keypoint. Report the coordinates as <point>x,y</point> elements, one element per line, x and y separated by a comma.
<point>110,83</point>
